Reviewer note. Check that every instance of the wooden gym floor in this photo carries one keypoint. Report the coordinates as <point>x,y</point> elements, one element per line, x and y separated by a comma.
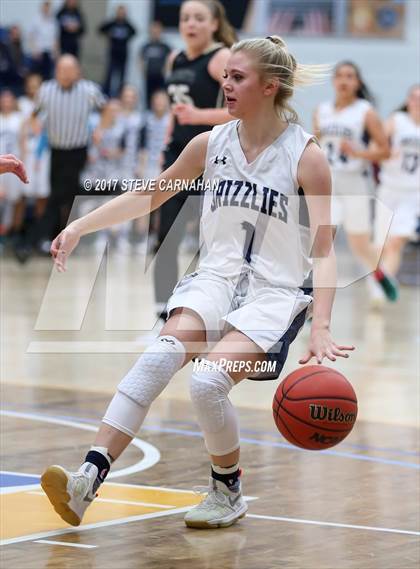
<point>353,507</point>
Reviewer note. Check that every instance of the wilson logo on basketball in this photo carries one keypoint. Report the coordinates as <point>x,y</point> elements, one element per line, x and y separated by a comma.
<point>336,415</point>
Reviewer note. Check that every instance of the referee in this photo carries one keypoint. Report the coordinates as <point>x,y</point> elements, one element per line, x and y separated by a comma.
<point>64,104</point>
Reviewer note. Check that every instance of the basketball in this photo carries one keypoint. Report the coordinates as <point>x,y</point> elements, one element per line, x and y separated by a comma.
<point>315,407</point>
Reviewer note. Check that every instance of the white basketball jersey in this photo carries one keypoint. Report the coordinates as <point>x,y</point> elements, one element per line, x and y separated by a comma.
<point>10,126</point>
<point>401,171</point>
<point>344,124</point>
<point>254,217</point>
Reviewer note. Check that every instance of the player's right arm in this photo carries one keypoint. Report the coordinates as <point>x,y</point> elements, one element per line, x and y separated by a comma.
<point>189,166</point>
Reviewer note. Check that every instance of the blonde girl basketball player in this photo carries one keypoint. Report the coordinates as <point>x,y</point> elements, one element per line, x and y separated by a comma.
<point>399,187</point>
<point>246,296</point>
<point>341,126</point>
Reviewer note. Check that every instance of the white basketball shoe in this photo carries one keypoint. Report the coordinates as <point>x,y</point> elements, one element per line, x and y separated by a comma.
<point>220,508</point>
<point>70,493</point>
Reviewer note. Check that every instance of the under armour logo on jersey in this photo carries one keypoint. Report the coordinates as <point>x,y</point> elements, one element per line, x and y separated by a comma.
<point>218,160</point>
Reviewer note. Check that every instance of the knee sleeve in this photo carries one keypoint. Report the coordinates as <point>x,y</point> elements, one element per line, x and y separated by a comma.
<point>143,383</point>
<point>153,370</point>
<point>217,418</point>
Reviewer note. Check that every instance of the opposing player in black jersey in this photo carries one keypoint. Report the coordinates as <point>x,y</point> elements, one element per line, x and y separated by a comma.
<point>194,86</point>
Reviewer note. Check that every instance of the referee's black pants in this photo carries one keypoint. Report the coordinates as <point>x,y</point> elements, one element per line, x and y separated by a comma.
<point>66,166</point>
<point>174,215</point>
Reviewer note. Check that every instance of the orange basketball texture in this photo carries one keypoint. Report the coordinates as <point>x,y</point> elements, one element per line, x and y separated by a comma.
<point>315,407</point>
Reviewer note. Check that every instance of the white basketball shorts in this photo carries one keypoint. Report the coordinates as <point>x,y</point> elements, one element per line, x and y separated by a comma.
<point>405,206</point>
<point>271,316</point>
<point>351,202</point>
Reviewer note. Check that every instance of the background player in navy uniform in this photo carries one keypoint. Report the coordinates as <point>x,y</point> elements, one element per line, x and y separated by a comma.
<point>194,88</point>
<point>248,300</point>
<point>343,126</point>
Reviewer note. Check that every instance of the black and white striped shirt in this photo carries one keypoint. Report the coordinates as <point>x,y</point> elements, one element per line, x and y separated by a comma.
<point>67,112</point>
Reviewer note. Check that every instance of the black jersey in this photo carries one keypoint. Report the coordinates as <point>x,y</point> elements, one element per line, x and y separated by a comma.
<point>191,83</point>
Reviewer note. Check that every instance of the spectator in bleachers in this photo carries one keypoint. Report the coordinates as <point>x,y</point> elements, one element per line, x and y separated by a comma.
<point>152,136</point>
<point>107,144</point>
<point>43,41</point>
<point>26,102</point>
<point>151,143</point>
<point>118,31</point>
<point>132,118</point>
<point>11,187</point>
<point>71,27</point>
<point>17,62</point>
<point>153,56</point>
<point>7,70</point>
<point>36,155</point>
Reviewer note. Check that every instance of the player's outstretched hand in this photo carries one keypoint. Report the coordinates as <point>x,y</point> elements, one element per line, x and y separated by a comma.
<point>9,163</point>
<point>321,345</point>
<point>63,245</point>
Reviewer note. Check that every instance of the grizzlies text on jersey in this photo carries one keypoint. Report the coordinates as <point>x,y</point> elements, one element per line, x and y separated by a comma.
<point>256,216</point>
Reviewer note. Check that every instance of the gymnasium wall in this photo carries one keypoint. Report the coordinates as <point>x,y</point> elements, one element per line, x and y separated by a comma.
<point>389,65</point>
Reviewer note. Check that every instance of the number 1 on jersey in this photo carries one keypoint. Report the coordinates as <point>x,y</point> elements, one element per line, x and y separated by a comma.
<point>249,240</point>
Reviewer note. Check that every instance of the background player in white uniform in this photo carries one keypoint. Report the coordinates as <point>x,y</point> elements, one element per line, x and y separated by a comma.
<point>341,126</point>
<point>106,161</point>
<point>132,117</point>
<point>400,182</point>
<point>11,187</point>
<point>247,288</point>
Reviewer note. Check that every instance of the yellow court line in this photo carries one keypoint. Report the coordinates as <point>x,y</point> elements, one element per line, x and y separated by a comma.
<point>128,502</point>
<point>27,515</point>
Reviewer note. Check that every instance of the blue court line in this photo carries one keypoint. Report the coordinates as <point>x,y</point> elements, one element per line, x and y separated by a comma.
<point>258,442</point>
<point>8,479</point>
<point>291,447</point>
<point>195,426</point>
<point>343,444</point>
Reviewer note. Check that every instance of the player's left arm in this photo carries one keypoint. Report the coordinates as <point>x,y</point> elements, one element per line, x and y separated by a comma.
<point>378,148</point>
<point>188,114</point>
<point>315,179</point>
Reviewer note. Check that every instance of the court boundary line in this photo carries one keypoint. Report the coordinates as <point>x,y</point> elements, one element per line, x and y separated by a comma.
<point>150,452</point>
<point>97,525</point>
<point>65,543</point>
<point>118,521</point>
<point>116,501</point>
<point>333,524</point>
<point>123,521</point>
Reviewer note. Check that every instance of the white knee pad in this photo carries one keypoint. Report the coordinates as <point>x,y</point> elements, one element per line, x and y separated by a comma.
<point>143,383</point>
<point>153,370</point>
<point>217,418</point>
